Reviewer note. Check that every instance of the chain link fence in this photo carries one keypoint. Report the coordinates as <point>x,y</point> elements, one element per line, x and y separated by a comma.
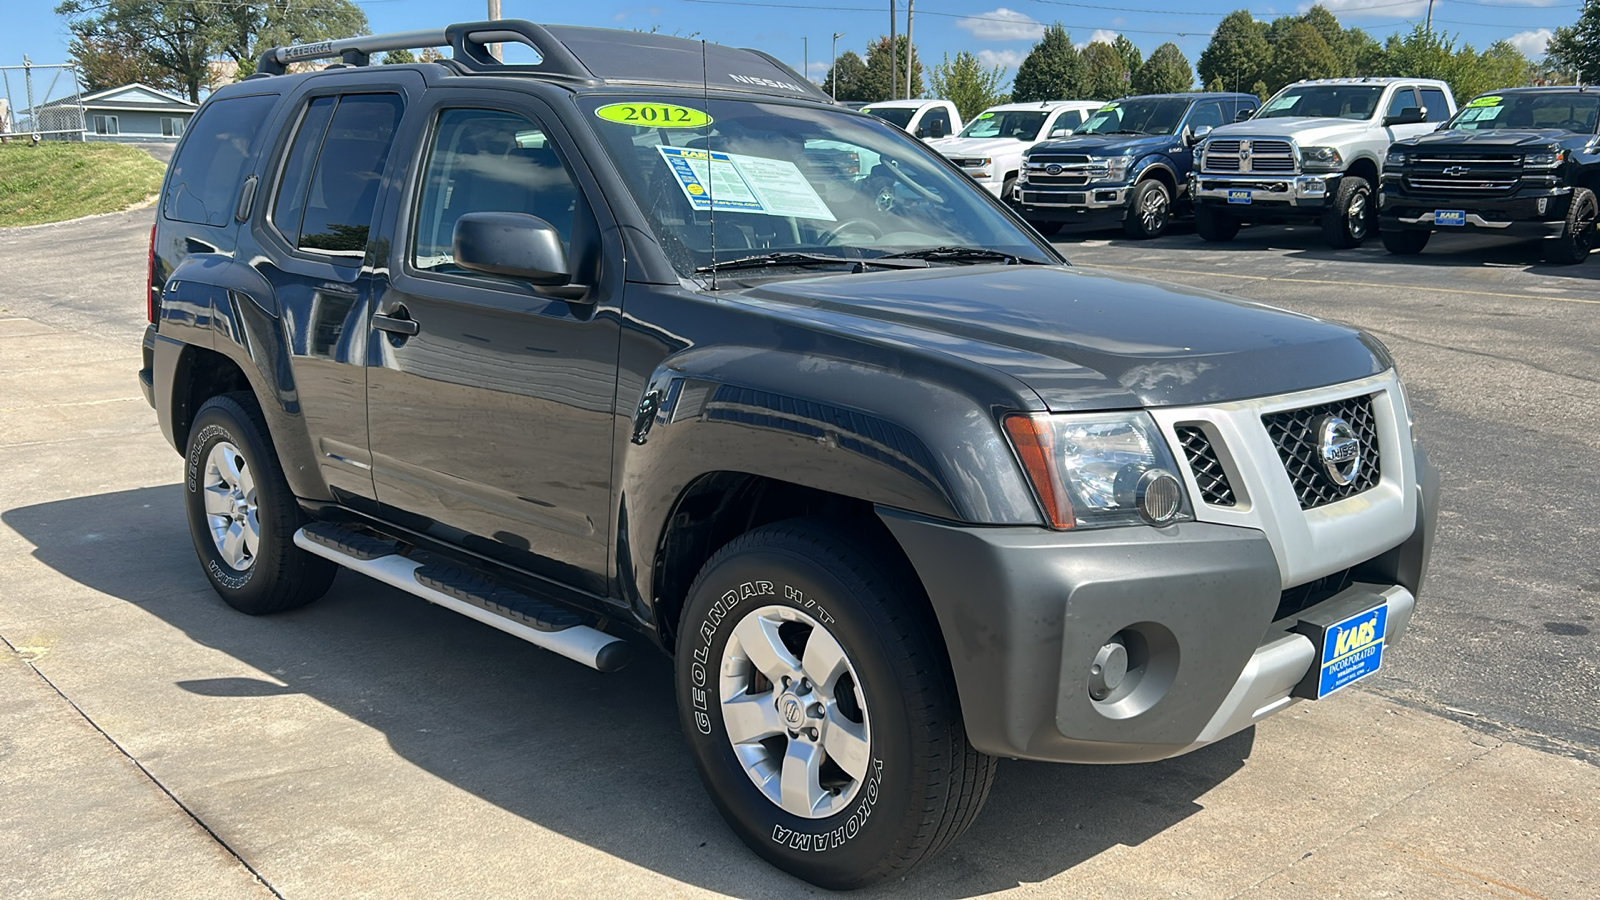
<point>41,103</point>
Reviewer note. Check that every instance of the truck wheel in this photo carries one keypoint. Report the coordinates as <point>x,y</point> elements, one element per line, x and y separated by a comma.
<point>1578,238</point>
<point>1149,210</point>
<point>1348,221</point>
<point>242,516</point>
<point>820,708</point>
<point>1405,241</point>
<point>1213,224</point>
<point>1006,189</point>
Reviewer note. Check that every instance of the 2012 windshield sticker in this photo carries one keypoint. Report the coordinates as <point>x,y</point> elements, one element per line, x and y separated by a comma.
<point>1484,101</point>
<point>732,182</point>
<point>654,115</point>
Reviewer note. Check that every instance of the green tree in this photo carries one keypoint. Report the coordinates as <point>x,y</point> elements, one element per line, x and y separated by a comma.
<point>1165,72</point>
<point>1300,54</point>
<point>1103,76</point>
<point>245,30</point>
<point>1575,49</point>
<point>1238,54</point>
<point>1051,70</point>
<point>170,36</point>
<point>875,80</point>
<point>115,59</point>
<point>968,83</point>
<point>1422,54</point>
<point>850,70</point>
<point>1132,59</point>
<point>399,58</point>
<point>1365,50</point>
<point>1500,66</point>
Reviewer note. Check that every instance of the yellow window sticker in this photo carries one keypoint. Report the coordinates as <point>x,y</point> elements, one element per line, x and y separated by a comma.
<point>653,115</point>
<point>987,116</point>
<point>1484,101</point>
<point>1107,108</point>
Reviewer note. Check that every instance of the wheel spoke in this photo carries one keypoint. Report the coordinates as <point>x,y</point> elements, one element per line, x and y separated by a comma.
<point>801,789</point>
<point>219,500</point>
<point>233,546</point>
<point>750,717</point>
<point>247,485</point>
<point>824,659</point>
<point>847,745</point>
<point>759,639</point>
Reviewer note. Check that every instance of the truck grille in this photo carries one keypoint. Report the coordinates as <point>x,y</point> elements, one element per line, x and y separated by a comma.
<point>1243,157</point>
<point>1062,170</point>
<point>1295,434</point>
<point>1464,174</point>
<point>1208,472</point>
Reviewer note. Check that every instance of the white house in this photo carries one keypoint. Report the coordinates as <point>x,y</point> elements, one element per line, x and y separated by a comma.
<point>133,112</point>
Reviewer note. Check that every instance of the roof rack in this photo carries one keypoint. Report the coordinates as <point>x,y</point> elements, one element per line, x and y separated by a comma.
<point>469,43</point>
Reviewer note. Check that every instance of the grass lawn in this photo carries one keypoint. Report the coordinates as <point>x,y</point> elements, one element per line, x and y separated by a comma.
<point>57,180</point>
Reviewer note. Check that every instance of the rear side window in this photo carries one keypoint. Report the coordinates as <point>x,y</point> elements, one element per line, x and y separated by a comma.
<point>331,177</point>
<point>1434,104</point>
<point>204,184</point>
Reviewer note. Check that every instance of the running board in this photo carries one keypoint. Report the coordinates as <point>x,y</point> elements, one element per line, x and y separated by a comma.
<point>516,614</point>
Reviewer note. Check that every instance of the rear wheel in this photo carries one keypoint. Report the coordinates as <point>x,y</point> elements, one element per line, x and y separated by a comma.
<point>1349,219</point>
<point>1214,224</point>
<point>820,708</point>
<point>1578,238</point>
<point>1149,210</point>
<point>1405,241</point>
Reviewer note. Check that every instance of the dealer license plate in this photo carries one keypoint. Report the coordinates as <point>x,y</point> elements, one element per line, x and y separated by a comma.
<point>1449,217</point>
<point>1238,196</point>
<point>1352,649</point>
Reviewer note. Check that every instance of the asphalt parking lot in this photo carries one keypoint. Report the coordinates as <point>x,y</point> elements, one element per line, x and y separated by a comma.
<point>153,743</point>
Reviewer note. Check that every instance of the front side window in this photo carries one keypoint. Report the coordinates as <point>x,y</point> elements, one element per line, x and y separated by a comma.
<point>788,179</point>
<point>489,161</point>
<point>1022,125</point>
<point>331,177</point>
<point>1137,116</point>
<point>1335,101</point>
<point>1206,115</point>
<point>1403,99</point>
<point>203,186</point>
<point>1566,111</point>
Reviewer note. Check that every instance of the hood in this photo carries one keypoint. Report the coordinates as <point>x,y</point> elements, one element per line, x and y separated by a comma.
<point>1306,130</point>
<point>1106,144</point>
<point>1084,339</point>
<point>979,146</point>
<point>1507,140</point>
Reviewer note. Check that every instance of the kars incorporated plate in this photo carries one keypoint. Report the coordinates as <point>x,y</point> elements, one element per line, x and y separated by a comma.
<point>1238,196</point>
<point>1352,649</point>
<point>1449,217</point>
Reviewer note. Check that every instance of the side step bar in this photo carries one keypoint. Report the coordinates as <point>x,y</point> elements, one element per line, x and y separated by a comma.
<point>516,614</point>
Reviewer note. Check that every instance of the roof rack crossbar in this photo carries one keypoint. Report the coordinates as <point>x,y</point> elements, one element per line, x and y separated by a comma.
<point>469,43</point>
<point>356,51</point>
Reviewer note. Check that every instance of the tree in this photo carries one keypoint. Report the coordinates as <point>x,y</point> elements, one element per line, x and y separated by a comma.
<point>248,29</point>
<point>1050,71</point>
<point>1238,54</point>
<point>1132,59</point>
<point>875,80</point>
<point>1165,72</point>
<point>1102,75</point>
<point>112,60</point>
<point>850,71</point>
<point>399,58</point>
<point>1502,65</point>
<point>968,84</point>
<point>1300,54</point>
<point>171,36</point>
<point>1576,48</point>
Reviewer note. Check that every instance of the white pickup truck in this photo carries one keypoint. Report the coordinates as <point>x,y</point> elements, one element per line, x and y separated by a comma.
<point>1314,151</point>
<point>991,147</point>
<point>926,119</point>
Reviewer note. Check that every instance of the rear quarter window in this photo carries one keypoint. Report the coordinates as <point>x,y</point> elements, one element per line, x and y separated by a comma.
<point>204,183</point>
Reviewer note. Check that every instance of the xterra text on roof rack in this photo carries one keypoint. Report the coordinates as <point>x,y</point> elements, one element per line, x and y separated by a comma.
<point>650,337</point>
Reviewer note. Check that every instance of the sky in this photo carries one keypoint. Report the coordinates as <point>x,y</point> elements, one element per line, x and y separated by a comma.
<point>800,31</point>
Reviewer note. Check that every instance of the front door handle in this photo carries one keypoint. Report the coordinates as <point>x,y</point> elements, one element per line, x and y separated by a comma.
<point>399,323</point>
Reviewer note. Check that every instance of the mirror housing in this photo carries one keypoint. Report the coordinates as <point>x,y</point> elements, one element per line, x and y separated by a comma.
<point>1191,136</point>
<point>515,245</point>
<point>932,131</point>
<point>1244,113</point>
<point>1060,133</point>
<point>1408,115</point>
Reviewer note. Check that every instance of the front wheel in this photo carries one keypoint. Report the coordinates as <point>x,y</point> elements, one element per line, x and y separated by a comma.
<point>1349,220</point>
<point>820,708</point>
<point>1149,210</point>
<point>1578,238</point>
<point>1405,241</point>
<point>1213,224</point>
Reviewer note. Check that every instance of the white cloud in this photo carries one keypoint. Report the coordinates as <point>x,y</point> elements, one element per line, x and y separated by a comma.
<point>1364,9</point>
<point>1100,34</point>
<point>1002,25</point>
<point>1531,43</point>
<point>1008,58</point>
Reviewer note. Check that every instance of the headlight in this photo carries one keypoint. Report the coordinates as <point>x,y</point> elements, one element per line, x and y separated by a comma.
<point>1395,158</point>
<point>978,163</point>
<point>1116,166</point>
<point>1099,470</point>
<point>1320,158</point>
<point>1542,160</point>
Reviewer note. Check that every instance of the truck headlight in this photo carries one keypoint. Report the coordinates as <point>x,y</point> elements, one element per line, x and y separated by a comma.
<point>1116,167</point>
<point>1395,158</point>
<point>1542,160</point>
<point>1099,470</point>
<point>1321,158</point>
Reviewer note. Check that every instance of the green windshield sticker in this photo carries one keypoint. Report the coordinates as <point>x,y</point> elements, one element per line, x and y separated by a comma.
<point>653,115</point>
<point>987,116</point>
<point>1107,108</point>
<point>1484,101</point>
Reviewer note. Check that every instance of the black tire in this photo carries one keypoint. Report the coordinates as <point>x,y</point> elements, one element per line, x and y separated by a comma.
<point>1048,229</point>
<point>1214,224</point>
<point>1005,190</point>
<point>922,783</point>
<point>1578,238</point>
<point>1149,210</point>
<point>277,575</point>
<point>1352,217</point>
<point>1405,241</point>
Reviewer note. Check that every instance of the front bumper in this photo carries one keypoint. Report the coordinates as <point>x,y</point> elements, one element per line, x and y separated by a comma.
<point>1536,213</point>
<point>1245,195</point>
<point>1024,611</point>
<point>1066,204</point>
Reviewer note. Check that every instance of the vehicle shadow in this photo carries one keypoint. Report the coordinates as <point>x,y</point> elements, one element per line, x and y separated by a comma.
<point>597,758</point>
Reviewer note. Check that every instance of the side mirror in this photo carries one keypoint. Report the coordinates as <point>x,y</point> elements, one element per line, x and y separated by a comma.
<point>1061,132</point>
<point>1244,112</point>
<point>1191,136</point>
<point>935,129</point>
<point>515,245</point>
<point>1408,115</point>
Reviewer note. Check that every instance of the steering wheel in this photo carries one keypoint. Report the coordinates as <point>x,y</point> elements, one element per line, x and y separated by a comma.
<point>1575,125</point>
<point>831,236</point>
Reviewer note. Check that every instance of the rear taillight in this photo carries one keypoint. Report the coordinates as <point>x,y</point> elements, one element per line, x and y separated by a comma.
<point>150,280</point>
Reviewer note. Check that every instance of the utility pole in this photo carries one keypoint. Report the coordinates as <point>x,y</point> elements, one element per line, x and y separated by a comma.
<point>894,56</point>
<point>911,49</point>
<point>834,91</point>
<point>1428,28</point>
<point>805,56</point>
<point>494,13</point>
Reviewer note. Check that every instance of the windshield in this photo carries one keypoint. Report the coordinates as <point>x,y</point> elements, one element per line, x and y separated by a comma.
<point>792,179</point>
<point>894,115</point>
<point>1022,125</point>
<point>1137,117</point>
<point>1567,111</point>
<point>1335,101</point>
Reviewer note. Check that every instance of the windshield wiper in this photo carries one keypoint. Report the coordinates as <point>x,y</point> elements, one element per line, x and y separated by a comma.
<point>960,254</point>
<point>771,260</point>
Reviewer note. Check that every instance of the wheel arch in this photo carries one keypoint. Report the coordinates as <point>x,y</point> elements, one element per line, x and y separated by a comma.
<point>1364,167</point>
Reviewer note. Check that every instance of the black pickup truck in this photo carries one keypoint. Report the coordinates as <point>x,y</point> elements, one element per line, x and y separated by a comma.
<point>649,342</point>
<point>1523,163</point>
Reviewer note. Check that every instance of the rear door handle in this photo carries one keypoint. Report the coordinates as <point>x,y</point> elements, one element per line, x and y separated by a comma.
<point>398,324</point>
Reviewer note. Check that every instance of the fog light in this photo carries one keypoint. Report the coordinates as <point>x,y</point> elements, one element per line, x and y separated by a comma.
<point>1544,204</point>
<point>1159,496</point>
<point>1109,668</point>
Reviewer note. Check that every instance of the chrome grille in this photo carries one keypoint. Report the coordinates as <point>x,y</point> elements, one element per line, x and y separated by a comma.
<point>1072,170</point>
<point>1208,472</point>
<point>1294,433</point>
<point>1247,157</point>
<point>1464,174</point>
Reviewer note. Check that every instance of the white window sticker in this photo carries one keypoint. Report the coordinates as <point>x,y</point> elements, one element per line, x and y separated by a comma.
<point>749,184</point>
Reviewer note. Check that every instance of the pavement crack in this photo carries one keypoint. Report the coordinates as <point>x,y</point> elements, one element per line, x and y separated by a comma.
<point>140,766</point>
